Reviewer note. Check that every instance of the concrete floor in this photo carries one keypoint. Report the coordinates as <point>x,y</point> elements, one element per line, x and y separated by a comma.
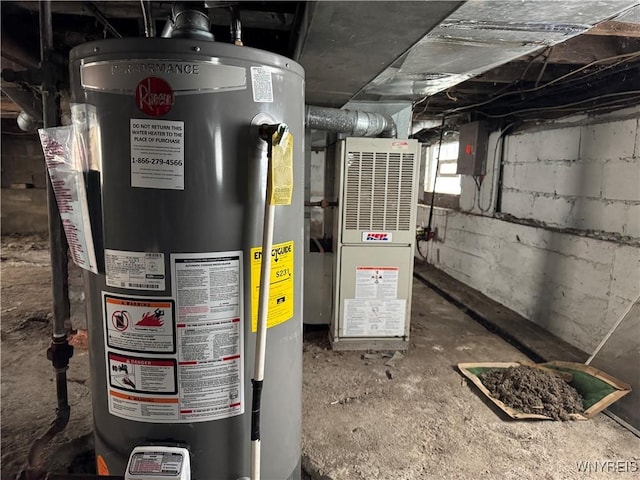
<point>427,422</point>
<point>417,419</point>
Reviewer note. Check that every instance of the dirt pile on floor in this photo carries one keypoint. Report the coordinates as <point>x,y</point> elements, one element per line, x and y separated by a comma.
<point>530,390</point>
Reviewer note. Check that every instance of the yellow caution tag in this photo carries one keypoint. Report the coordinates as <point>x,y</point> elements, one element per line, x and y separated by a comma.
<point>281,168</point>
<point>280,288</point>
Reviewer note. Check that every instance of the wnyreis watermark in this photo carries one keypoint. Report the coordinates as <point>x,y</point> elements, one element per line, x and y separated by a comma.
<point>608,466</point>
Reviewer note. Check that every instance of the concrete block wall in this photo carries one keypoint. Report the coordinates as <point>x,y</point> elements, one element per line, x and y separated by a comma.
<point>578,174</point>
<point>576,287</point>
<point>23,181</point>
<point>584,177</point>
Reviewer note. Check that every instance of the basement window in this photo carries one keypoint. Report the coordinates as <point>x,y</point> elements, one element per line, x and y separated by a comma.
<point>447,182</point>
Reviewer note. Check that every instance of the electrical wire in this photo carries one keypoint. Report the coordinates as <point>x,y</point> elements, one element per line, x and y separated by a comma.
<point>496,168</point>
<point>524,72</point>
<point>473,205</point>
<point>551,82</point>
<point>560,107</point>
<point>543,68</point>
<point>418,241</point>
<point>435,176</point>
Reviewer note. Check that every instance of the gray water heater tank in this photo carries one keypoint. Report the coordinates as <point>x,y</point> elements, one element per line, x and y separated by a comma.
<point>176,185</point>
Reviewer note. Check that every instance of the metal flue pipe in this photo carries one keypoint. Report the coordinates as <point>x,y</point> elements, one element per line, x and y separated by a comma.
<point>190,22</point>
<point>355,123</point>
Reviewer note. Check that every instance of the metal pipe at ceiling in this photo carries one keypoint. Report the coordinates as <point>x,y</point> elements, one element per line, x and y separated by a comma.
<point>355,123</point>
<point>190,22</point>
<point>236,26</point>
<point>147,14</point>
<point>25,99</point>
<point>102,19</point>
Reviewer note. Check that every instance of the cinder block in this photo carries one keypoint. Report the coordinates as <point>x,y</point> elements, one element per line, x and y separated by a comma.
<point>609,141</point>
<point>599,215</point>
<point>621,181</point>
<point>559,144</point>
<point>24,211</point>
<point>534,177</point>
<point>617,307</point>
<point>632,225</point>
<point>517,203</point>
<point>579,179</point>
<point>584,248</point>
<point>625,279</point>
<point>522,148</point>
<point>509,174</point>
<point>554,211</point>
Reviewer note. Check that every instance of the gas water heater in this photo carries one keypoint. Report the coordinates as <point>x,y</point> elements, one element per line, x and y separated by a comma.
<point>176,190</point>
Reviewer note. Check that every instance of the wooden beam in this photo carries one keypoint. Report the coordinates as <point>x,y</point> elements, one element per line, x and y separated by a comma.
<point>8,108</point>
<point>584,49</point>
<point>614,28</point>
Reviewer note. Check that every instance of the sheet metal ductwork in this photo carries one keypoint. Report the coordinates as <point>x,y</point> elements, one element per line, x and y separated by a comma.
<point>355,123</point>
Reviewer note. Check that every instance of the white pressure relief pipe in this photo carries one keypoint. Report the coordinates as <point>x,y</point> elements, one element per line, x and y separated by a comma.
<point>611,330</point>
<point>266,133</point>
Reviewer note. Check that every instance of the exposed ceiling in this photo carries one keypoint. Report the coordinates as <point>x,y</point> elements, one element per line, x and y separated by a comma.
<point>474,59</point>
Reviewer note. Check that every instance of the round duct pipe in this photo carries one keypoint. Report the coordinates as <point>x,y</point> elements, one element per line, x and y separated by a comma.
<point>189,22</point>
<point>355,123</point>
<point>26,122</point>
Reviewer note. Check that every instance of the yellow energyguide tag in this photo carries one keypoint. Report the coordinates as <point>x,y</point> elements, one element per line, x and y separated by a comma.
<point>281,286</point>
<point>281,168</point>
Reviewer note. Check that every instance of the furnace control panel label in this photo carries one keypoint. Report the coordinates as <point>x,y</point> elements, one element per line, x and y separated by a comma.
<point>377,282</point>
<point>281,285</point>
<point>374,318</point>
<point>157,154</point>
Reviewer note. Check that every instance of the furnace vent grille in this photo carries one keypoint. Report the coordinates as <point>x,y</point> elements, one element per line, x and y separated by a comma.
<point>379,191</point>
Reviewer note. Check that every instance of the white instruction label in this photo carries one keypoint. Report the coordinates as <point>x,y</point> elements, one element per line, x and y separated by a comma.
<point>377,282</point>
<point>208,292</point>
<point>157,154</point>
<point>262,84</point>
<point>67,179</point>
<point>374,318</point>
<point>140,325</point>
<point>134,270</point>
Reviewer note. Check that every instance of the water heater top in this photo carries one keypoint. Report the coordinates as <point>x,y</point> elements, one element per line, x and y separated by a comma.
<point>177,49</point>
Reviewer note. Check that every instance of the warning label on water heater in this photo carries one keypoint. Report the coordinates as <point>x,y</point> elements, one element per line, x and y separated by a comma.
<point>145,326</point>
<point>157,154</point>
<point>179,359</point>
<point>208,292</point>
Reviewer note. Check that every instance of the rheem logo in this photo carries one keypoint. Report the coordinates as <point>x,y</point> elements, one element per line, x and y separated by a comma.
<point>376,237</point>
<point>154,96</point>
